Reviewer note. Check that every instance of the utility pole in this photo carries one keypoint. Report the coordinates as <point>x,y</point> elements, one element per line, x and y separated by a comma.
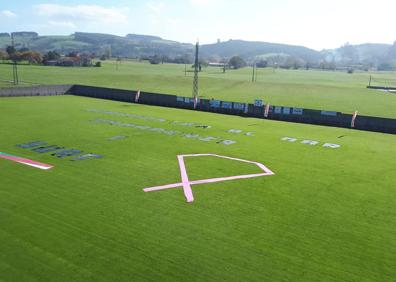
<point>118,62</point>
<point>196,69</point>
<point>14,65</point>
<point>253,74</point>
<point>110,52</point>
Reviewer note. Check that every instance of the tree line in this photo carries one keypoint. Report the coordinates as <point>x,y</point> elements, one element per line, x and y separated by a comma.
<point>37,58</point>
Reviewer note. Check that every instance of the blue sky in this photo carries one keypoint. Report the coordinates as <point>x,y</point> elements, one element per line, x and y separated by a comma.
<point>316,24</point>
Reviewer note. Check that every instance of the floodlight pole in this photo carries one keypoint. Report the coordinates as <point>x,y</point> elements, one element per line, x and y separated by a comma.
<point>14,65</point>
<point>196,68</point>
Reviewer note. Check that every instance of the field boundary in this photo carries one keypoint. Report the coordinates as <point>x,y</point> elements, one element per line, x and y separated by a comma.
<point>288,114</point>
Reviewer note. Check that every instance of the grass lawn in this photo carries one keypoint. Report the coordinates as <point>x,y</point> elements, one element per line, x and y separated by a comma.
<point>314,89</point>
<point>326,214</point>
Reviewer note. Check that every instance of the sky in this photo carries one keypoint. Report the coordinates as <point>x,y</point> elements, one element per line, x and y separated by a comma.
<point>317,24</point>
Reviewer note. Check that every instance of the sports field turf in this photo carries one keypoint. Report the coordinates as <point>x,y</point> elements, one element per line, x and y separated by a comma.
<point>324,90</point>
<point>326,214</point>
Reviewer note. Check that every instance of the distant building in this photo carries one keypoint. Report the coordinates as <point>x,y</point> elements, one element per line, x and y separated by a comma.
<point>50,63</point>
<point>219,65</point>
<point>77,61</point>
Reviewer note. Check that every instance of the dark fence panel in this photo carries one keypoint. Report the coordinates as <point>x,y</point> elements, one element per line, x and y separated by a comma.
<point>288,114</point>
<point>48,90</point>
<point>124,95</point>
<point>377,124</point>
<point>155,99</point>
<point>382,88</point>
<point>104,93</point>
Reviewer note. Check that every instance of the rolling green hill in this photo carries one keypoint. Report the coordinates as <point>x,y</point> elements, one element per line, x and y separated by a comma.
<point>248,49</point>
<point>133,45</point>
<point>137,46</point>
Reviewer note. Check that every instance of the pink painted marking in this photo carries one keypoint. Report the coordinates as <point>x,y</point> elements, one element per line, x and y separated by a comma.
<point>186,183</point>
<point>25,161</point>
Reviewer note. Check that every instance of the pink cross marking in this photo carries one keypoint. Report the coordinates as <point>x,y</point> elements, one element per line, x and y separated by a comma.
<point>186,183</point>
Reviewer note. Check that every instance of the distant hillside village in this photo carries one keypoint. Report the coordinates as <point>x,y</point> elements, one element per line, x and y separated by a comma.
<point>89,49</point>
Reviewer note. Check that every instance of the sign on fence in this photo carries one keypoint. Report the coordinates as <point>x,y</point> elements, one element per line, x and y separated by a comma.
<point>258,103</point>
<point>278,110</point>
<point>298,111</point>
<point>286,111</point>
<point>226,105</point>
<point>214,103</point>
<point>239,106</point>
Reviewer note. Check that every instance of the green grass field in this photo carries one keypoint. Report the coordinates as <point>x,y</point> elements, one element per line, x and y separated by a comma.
<point>314,89</point>
<point>326,214</point>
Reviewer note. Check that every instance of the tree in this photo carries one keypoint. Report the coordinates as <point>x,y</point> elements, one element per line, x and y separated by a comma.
<point>262,64</point>
<point>73,54</point>
<point>237,62</point>
<point>349,54</point>
<point>392,51</point>
<point>155,60</point>
<point>10,50</point>
<point>35,57</point>
<point>3,55</point>
<point>51,56</point>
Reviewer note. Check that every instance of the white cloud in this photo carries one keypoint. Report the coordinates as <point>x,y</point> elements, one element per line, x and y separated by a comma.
<point>204,2</point>
<point>66,24</point>
<point>83,13</point>
<point>156,7</point>
<point>8,14</point>
<point>174,22</point>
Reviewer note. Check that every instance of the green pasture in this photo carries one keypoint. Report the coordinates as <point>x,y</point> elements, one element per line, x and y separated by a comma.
<point>326,214</point>
<point>314,89</point>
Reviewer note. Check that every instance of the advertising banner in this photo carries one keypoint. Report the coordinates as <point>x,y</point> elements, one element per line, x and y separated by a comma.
<point>298,111</point>
<point>286,110</point>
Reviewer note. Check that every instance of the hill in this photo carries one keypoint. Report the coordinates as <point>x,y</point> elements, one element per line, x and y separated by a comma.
<point>131,45</point>
<point>382,56</point>
<point>249,49</point>
<point>135,45</point>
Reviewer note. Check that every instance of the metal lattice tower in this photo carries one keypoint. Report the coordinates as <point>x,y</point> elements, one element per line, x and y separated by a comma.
<point>196,69</point>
